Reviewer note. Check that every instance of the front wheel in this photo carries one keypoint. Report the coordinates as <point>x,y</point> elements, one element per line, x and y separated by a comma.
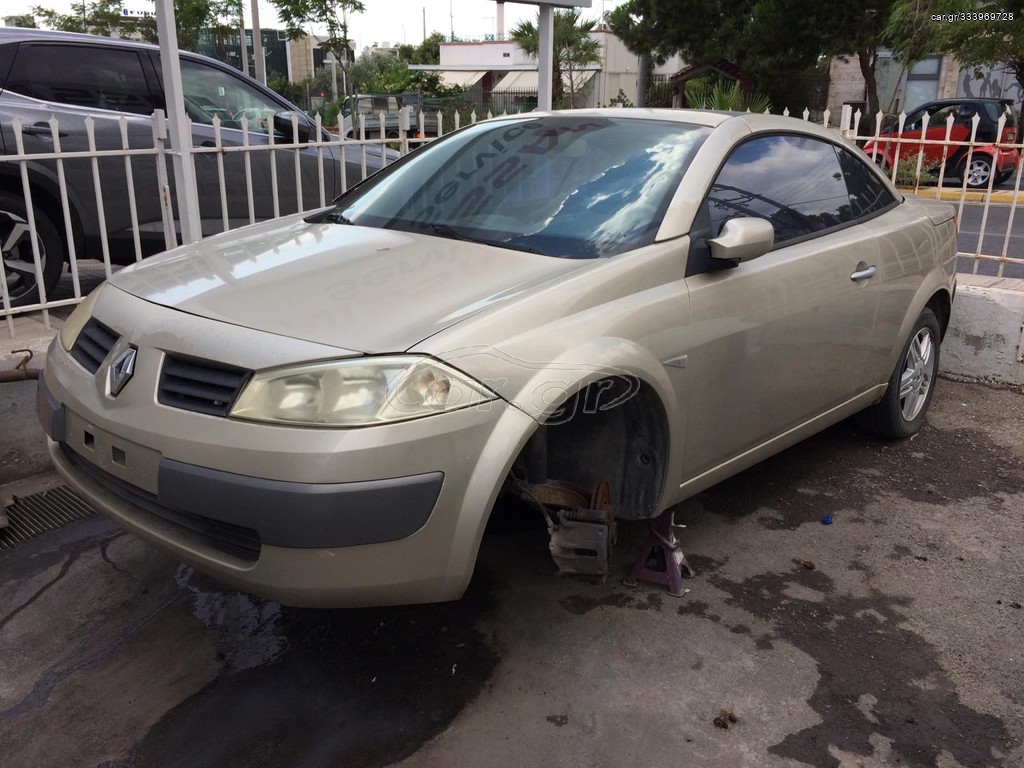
<point>978,172</point>
<point>902,410</point>
<point>18,257</point>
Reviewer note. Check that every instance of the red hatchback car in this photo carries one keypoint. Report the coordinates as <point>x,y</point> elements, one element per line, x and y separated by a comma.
<point>986,159</point>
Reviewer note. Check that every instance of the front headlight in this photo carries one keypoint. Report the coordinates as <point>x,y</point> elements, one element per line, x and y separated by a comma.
<point>357,392</point>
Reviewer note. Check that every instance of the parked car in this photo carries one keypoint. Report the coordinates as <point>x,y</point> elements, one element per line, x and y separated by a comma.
<point>985,160</point>
<point>42,76</point>
<point>323,409</point>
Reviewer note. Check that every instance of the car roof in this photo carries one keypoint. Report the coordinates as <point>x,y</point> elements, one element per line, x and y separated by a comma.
<point>963,100</point>
<point>752,122</point>
<point>19,34</point>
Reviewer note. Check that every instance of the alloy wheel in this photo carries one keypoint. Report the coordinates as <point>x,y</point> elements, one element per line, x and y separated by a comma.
<point>918,372</point>
<point>978,172</point>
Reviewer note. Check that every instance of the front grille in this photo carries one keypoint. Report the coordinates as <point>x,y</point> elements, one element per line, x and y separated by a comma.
<point>232,540</point>
<point>93,344</point>
<point>199,385</point>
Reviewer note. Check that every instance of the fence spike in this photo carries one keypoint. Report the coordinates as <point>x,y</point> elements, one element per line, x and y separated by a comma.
<point>807,114</point>
<point>826,115</point>
<point>785,112</point>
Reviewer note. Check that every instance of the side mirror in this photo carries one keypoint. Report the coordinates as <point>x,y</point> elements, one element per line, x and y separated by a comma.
<point>283,124</point>
<point>743,239</point>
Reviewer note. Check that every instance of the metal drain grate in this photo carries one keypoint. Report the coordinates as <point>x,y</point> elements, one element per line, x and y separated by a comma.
<point>38,513</point>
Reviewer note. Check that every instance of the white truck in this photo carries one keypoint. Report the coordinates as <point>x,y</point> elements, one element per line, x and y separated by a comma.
<point>401,112</point>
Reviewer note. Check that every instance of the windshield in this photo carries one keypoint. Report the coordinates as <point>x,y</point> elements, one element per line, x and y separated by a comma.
<point>568,186</point>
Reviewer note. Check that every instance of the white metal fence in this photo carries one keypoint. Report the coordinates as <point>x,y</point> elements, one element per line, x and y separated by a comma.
<point>259,177</point>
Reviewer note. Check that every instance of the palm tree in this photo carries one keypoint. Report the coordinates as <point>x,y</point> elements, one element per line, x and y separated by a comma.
<point>573,49</point>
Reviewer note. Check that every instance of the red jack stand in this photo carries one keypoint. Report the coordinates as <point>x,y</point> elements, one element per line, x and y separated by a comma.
<point>670,562</point>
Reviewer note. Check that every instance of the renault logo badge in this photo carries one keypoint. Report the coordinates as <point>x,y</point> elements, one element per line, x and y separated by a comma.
<point>121,370</point>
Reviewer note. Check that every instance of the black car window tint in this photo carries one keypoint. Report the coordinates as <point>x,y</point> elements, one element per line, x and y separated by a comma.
<point>868,195</point>
<point>991,111</point>
<point>82,76</point>
<point>6,59</point>
<point>794,182</point>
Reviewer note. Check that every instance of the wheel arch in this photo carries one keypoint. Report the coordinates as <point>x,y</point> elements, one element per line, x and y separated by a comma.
<point>610,421</point>
<point>931,296</point>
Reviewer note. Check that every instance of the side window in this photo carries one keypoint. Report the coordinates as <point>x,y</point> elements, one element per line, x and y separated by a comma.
<point>914,121</point>
<point>794,182</point>
<point>868,195</point>
<point>212,92</point>
<point>82,76</point>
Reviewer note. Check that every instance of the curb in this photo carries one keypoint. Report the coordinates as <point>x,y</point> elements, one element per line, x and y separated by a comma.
<point>954,195</point>
<point>985,340</point>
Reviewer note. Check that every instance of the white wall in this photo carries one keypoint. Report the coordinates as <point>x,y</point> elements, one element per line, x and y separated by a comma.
<point>485,55</point>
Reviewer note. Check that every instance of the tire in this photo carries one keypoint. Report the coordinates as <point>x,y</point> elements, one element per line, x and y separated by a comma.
<point>902,410</point>
<point>18,260</point>
<point>979,171</point>
<point>1003,177</point>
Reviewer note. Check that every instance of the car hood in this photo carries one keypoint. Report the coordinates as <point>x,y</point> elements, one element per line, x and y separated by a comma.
<point>356,288</point>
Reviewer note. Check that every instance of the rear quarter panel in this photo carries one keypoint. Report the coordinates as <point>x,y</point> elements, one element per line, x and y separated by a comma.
<point>917,259</point>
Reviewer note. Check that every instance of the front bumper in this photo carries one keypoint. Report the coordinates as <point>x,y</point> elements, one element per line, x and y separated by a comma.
<point>311,517</point>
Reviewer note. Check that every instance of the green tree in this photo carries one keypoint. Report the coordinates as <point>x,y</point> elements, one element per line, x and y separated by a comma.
<point>329,14</point>
<point>219,18</point>
<point>572,44</point>
<point>100,17</point>
<point>25,21</point>
<point>103,17</point>
<point>427,52</point>
<point>987,43</point>
<point>634,29</point>
<point>379,73</point>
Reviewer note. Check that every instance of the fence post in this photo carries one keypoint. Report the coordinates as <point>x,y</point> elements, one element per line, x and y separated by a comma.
<point>181,127</point>
<point>166,207</point>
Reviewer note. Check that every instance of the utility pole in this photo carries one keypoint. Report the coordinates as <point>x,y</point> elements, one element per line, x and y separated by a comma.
<point>257,44</point>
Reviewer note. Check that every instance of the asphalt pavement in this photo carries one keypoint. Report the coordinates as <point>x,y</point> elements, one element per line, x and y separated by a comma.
<point>892,636</point>
<point>998,232</point>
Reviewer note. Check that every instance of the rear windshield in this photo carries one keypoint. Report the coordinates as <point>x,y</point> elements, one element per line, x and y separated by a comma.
<point>566,186</point>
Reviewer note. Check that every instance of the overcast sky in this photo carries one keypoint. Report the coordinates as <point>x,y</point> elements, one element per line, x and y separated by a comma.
<point>393,21</point>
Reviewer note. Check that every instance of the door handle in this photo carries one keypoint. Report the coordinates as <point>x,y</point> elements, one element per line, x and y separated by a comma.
<point>41,129</point>
<point>863,273</point>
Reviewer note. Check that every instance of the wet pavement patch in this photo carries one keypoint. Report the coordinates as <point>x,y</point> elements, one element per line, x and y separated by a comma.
<point>864,653</point>
<point>313,688</point>
<point>639,600</point>
<point>935,466</point>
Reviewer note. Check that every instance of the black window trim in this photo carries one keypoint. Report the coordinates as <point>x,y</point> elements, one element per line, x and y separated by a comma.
<point>693,269</point>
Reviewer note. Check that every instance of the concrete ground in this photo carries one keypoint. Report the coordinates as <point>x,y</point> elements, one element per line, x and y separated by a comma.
<point>893,636</point>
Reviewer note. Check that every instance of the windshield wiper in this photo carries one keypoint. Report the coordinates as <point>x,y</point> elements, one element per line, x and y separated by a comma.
<point>453,233</point>
<point>334,216</point>
<point>447,230</point>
